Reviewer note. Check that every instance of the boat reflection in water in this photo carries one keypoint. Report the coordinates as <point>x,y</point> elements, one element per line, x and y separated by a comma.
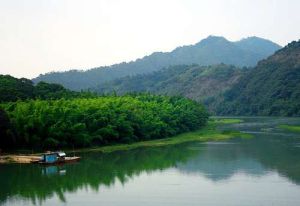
<point>53,170</point>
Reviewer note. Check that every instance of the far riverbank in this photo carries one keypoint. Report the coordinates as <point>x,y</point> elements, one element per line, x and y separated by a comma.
<point>207,133</point>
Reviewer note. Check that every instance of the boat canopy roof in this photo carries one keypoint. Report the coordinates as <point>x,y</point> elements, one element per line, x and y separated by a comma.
<point>60,154</point>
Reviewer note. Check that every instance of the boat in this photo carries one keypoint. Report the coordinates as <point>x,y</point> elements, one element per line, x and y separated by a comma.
<point>52,158</point>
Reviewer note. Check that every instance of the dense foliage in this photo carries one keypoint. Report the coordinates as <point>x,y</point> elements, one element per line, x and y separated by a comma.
<point>209,51</point>
<point>13,89</point>
<point>271,88</point>
<point>100,121</point>
<point>204,84</point>
<point>7,135</point>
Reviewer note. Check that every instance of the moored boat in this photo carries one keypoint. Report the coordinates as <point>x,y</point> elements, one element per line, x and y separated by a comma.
<point>51,158</point>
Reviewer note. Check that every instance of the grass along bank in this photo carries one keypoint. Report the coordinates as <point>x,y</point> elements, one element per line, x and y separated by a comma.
<point>227,120</point>
<point>207,133</point>
<point>291,128</point>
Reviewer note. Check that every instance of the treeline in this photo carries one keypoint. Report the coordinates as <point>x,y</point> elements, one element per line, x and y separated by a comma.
<point>84,122</point>
<point>13,89</point>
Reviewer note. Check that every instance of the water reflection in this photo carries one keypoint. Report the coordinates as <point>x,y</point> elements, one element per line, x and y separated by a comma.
<point>215,161</point>
<point>54,170</point>
<point>221,161</point>
<point>38,183</point>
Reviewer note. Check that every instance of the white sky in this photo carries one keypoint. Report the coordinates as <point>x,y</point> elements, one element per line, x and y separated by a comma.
<point>38,36</point>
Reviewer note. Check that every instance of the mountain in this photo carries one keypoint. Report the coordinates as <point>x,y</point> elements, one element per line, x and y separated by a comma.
<point>212,50</point>
<point>271,88</point>
<point>257,45</point>
<point>200,83</point>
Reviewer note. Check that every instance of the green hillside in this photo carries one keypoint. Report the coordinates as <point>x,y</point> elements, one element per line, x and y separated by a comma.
<point>203,84</point>
<point>271,88</point>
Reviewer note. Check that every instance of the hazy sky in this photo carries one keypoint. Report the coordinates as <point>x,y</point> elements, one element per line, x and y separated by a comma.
<point>38,36</point>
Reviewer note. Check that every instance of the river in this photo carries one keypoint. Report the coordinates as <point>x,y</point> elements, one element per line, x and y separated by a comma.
<point>263,170</point>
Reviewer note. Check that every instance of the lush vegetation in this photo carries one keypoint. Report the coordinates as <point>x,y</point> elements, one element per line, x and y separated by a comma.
<point>106,120</point>
<point>209,51</point>
<point>13,89</point>
<point>203,84</point>
<point>6,131</point>
<point>271,88</point>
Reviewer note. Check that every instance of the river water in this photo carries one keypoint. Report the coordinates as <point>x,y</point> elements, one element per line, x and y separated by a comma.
<point>263,170</point>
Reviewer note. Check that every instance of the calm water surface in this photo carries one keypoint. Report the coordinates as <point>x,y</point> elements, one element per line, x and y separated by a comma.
<point>264,170</point>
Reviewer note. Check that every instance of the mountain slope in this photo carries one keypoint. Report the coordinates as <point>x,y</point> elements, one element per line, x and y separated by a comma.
<point>212,50</point>
<point>195,82</point>
<point>271,88</point>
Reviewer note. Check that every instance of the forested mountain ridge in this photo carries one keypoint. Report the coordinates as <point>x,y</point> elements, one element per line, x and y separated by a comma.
<point>200,83</point>
<point>212,50</point>
<point>271,88</point>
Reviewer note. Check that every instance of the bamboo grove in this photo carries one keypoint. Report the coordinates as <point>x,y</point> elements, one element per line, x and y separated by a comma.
<point>97,121</point>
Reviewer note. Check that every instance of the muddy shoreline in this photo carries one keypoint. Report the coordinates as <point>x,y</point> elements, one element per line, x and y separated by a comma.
<point>21,159</point>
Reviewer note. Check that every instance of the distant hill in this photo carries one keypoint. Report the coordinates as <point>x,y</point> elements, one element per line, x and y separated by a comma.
<point>201,83</point>
<point>209,51</point>
<point>271,88</point>
<point>13,89</point>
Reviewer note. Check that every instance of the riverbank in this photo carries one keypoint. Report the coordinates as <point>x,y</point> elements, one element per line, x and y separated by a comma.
<point>207,133</point>
<point>22,159</point>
